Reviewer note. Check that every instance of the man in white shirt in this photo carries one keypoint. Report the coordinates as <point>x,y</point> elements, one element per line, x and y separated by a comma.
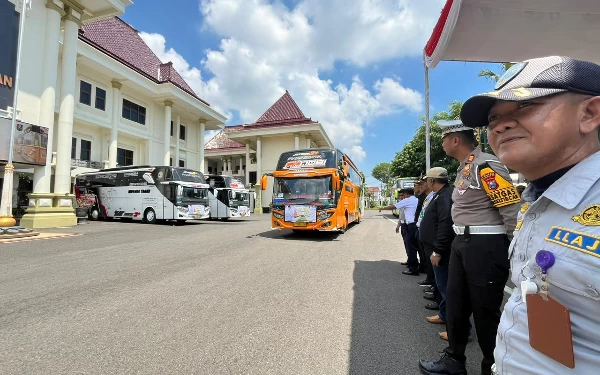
<point>409,206</point>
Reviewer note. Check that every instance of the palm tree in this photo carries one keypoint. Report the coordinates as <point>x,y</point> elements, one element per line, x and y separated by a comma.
<point>492,76</point>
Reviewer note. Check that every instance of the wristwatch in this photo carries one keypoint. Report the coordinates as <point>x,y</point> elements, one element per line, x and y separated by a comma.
<point>436,255</point>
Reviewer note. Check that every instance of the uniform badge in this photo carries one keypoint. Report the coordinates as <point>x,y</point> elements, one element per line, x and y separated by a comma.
<point>461,191</point>
<point>580,241</point>
<point>471,158</point>
<point>462,183</point>
<point>590,216</point>
<point>501,191</point>
<point>489,178</point>
<point>519,225</point>
<point>468,167</point>
<point>524,207</point>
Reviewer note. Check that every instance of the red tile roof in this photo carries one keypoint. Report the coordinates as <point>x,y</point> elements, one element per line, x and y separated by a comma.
<point>122,42</point>
<point>282,111</point>
<point>221,141</point>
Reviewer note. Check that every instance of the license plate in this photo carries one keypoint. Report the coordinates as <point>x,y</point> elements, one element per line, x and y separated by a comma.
<point>300,224</point>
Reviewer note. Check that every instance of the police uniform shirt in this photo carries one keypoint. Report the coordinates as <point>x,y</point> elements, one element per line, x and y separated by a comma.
<point>484,194</point>
<point>409,206</point>
<point>565,220</point>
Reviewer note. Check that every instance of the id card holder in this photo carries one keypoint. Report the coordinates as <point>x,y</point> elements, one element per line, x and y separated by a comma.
<point>550,329</point>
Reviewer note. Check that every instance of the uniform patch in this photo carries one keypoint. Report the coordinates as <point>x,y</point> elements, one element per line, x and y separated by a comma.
<point>468,167</point>
<point>499,190</point>
<point>524,207</point>
<point>519,225</point>
<point>462,183</point>
<point>589,217</point>
<point>461,191</point>
<point>584,242</point>
<point>471,158</point>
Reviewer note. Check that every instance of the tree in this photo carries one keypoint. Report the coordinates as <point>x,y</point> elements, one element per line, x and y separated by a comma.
<point>410,162</point>
<point>494,77</point>
<point>383,173</point>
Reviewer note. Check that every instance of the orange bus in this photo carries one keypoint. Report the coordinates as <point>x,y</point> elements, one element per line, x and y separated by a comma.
<point>315,189</point>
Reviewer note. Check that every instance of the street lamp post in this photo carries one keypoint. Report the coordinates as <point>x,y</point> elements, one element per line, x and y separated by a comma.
<point>6,217</point>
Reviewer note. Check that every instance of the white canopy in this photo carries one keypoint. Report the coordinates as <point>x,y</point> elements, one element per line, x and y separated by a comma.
<point>515,30</point>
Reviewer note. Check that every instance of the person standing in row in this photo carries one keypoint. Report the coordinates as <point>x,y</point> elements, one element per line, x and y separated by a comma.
<point>409,205</point>
<point>419,193</point>
<point>485,215</point>
<point>437,234</point>
<point>543,121</point>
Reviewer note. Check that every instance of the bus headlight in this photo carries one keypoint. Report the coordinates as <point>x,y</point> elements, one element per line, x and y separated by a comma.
<point>278,215</point>
<point>324,215</point>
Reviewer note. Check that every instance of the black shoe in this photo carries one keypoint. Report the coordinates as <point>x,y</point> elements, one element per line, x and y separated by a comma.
<point>409,272</point>
<point>444,366</point>
<point>432,306</point>
<point>429,289</point>
<point>425,283</point>
<point>429,296</point>
<point>404,263</point>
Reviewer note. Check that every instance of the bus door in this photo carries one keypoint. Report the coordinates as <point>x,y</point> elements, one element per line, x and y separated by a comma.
<point>169,207</point>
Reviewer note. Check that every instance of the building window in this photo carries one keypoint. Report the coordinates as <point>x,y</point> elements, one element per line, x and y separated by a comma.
<point>181,163</point>
<point>73,148</point>
<point>85,93</point>
<point>182,132</point>
<point>170,162</point>
<point>134,112</point>
<point>171,128</point>
<point>124,157</point>
<point>100,99</point>
<point>86,150</point>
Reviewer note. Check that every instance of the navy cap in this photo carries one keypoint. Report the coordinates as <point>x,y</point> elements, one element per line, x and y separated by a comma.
<point>532,79</point>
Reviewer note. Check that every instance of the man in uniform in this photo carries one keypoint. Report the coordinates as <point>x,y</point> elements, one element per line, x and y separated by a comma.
<point>484,212</point>
<point>543,122</point>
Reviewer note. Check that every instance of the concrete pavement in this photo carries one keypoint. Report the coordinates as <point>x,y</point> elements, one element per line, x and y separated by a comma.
<point>214,298</point>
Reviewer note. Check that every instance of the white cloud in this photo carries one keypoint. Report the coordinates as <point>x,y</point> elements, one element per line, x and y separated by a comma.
<point>267,48</point>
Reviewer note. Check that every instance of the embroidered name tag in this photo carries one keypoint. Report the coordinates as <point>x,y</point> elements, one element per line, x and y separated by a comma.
<point>589,217</point>
<point>501,192</point>
<point>575,240</point>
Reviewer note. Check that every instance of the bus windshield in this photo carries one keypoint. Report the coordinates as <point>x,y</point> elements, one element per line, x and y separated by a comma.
<point>316,190</point>
<point>188,175</point>
<point>191,196</point>
<point>237,198</point>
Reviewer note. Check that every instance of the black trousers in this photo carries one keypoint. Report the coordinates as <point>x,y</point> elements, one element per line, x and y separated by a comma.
<point>478,272</point>
<point>411,245</point>
<point>423,259</point>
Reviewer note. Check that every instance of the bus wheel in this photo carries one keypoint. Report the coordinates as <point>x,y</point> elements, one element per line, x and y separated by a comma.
<point>344,224</point>
<point>224,218</point>
<point>94,214</point>
<point>149,216</point>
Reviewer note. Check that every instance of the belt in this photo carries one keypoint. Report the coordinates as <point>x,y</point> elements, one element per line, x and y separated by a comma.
<point>480,229</point>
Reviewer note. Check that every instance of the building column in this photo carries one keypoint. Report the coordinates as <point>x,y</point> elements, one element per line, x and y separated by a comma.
<point>307,142</point>
<point>42,175</point>
<point>296,141</point>
<point>201,163</point>
<point>247,163</point>
<point>258,208</point>
<point>229,167</point>
<point>177,135</point>
<point>167,146</point>
<point>241,165</point>
<point>114,130</point>
<point>62,179</point>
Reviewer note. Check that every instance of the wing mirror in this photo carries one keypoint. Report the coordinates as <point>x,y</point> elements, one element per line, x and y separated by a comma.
<point>336,182</point>
<point>263,182</point>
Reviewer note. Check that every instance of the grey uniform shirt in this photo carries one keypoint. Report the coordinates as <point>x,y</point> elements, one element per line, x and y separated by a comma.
<point>484,194</point>
<point>565,220</point>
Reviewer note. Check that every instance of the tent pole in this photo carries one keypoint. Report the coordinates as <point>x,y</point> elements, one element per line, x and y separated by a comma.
<point>427,124</point>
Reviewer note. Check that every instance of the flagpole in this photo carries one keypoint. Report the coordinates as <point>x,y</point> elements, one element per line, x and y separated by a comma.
<point>6,217</point>
<point>427,122</point>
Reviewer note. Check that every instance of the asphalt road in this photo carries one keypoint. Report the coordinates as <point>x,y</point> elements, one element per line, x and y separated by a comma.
<point>214,298</point>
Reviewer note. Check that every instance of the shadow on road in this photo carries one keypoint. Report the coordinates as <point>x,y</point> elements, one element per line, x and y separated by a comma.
<point>299,236</point>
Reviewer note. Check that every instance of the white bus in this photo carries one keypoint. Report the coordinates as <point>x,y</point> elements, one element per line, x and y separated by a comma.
<point>227,197</point>
<point>147,193</point>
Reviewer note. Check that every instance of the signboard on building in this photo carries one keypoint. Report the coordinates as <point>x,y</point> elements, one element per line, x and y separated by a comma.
<point>30,144</point>
<point>9,39</point>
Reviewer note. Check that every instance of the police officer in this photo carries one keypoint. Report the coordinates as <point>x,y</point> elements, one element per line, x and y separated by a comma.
<point>484,211</point>
<point>543,122</point>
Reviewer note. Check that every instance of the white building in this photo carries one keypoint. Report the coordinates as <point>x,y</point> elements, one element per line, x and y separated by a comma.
<point>105,98</point>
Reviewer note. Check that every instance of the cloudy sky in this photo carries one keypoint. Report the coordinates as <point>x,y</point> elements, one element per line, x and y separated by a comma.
<point>353,65</point>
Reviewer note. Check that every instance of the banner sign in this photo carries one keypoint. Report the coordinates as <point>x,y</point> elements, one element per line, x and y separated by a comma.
<point>30,142</point>
<point>295,214</point>
<point>9,40</point>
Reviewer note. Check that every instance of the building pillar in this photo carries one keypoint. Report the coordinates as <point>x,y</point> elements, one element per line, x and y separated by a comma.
<point>177,135</point>
<point>114,130</point>
<point>167,146</point>
<point>241,165</point>
<point>296,141</point>
<point>247,163</point>
<point>307,142</point>
<point>229,167</point>
<point>201,163</point>
<point>258,209</point>
<point>42,174</point>
<point>62,178</point>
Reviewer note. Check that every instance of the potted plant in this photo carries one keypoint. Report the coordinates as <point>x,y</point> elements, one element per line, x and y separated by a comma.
<point>84,203</point>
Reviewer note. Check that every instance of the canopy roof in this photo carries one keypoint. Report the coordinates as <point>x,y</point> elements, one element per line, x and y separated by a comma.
<point>515,30</point>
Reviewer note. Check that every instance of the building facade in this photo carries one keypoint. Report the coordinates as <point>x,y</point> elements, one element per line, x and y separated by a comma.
<point>100,98</point>
<point>250,150</point>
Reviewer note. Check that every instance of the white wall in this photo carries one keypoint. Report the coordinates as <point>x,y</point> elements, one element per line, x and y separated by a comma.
<point>272,148</point>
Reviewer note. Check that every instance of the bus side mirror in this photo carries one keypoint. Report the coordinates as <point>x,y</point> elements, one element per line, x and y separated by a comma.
<point>263,182</point>
<point>336,182</point>
<point>346,169</point>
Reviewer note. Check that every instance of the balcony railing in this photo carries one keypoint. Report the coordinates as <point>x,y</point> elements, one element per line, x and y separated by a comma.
<point>86,164</point>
